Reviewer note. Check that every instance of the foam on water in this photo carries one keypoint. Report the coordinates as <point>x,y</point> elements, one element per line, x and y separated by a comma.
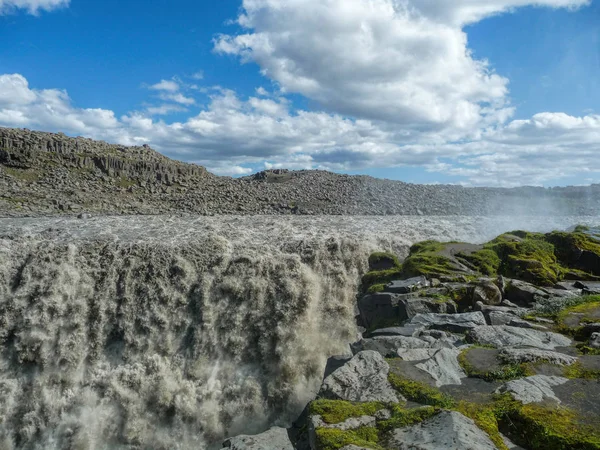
<point>175,332</point>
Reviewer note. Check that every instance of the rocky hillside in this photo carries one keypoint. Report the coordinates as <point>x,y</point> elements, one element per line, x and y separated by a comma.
<point>50,174</point>
<point>452,359</point>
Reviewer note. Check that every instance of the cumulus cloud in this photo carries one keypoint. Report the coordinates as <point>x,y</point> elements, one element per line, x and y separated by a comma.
<point>31,6</point>
<point>395,82</point>
<point>166,85</point>
<point>232,133</point>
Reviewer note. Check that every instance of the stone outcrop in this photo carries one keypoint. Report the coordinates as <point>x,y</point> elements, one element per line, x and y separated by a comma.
<point>48,173</point>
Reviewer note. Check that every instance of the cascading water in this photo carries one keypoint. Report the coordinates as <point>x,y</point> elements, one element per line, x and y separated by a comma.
<point>177,332</point>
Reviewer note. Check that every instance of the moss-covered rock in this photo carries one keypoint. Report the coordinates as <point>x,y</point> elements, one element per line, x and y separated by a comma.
<point>337,411</point>
<point>540,259</point>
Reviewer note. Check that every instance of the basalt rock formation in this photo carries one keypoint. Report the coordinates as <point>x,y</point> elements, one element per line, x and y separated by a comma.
<point>491,375</point>
<point>52,174</point>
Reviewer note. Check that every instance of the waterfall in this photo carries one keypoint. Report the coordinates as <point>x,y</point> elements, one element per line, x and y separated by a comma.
<point>173,333</point>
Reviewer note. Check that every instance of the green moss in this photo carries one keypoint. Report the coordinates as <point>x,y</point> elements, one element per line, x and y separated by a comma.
<point>376,288</point>
<point>380,277</point>
<point>402,417</point>
<point>578,371</point>
<point>587,350</point>
<point>505,373</point>
<point>427,247</point>
<point>383,261</point>
<point>584,307</point>
<point>484,261</point>
<point>486,418</point>
<point>427,264</point>
<point>568,246</point>
<point>527,256</point>
<point>337,411</point>
<point>332,439</point>
<point>420,393</point>
<point>541,427</point>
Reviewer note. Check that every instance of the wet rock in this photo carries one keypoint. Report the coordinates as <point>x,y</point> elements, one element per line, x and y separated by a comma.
<point>449,430</point>
<point>533,389</point>
<point>455,323</point>
<point>505,336</point>
<point>362,379</point>
<point>381,308</point>
<point>407,286</point>
<point>274,439</point>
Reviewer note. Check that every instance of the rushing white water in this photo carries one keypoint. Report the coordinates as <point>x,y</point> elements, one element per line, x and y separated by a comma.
<point>166,333</point>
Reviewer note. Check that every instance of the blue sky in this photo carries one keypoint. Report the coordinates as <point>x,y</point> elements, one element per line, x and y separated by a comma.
<point>494,92</point>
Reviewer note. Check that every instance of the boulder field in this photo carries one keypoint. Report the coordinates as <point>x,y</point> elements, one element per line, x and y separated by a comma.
<point>493,346</point>
<point>45,174</point>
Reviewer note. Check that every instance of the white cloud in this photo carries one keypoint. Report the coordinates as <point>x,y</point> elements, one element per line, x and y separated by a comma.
<point>403,62</point>
<point>396,81</point>
<point>31,6</point>
<point>198,75</point>
<point>166,85</point>
<point>163,110</point>
<point>231,133</point>
<point>177,98</point>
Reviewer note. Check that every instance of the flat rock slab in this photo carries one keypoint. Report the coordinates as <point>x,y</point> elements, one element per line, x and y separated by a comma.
<point>408,331</point>
<point>407,286</point>
<point>583,397</point>
<point>535,389</point>
<point>389,346</point>
<point>505,336</point>
<point>443,367</point>
<point>274,439</point>
<point>483,360</point>
<point>449,430</point>
<point>532,355</point>
<point>455,323</point>
<point>362,379</point>
<point>473,390</point>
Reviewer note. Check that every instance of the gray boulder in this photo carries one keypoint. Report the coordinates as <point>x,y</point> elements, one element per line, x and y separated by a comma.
<point>595,340</point>
<point>407,286</point>
<point>455,323</point>
<point>362,379</point>
<point>443,367</point>
<point>410,307</point>
<point>449,430</point>
<point>487,292</point>
<point>505,336</point>
<point>379,309</point>
<point>274,439</point>
<point>533,389</point>
<point>523,293</point>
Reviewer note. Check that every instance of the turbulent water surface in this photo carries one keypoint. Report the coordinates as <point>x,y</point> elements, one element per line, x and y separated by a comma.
<point>166,333</point>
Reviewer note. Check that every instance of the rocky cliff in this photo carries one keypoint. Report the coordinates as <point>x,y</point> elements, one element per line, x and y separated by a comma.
<point>49,174</point>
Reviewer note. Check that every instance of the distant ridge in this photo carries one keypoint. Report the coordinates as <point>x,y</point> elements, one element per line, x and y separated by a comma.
<point>51,174</point>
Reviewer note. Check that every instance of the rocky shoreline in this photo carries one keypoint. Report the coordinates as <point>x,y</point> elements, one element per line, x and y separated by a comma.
<point>464,350</point>
<point>47,174</point>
